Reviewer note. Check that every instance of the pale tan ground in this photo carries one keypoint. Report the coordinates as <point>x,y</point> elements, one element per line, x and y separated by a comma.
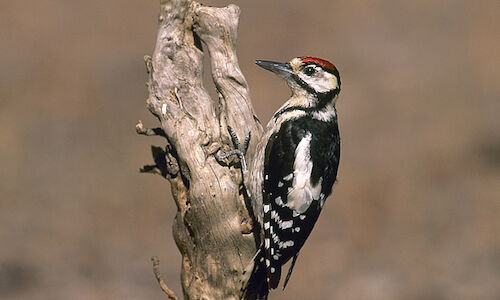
<point>416,211</point>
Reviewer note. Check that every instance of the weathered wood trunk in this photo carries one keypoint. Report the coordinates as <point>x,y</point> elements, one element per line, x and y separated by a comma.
<point>212,228</point>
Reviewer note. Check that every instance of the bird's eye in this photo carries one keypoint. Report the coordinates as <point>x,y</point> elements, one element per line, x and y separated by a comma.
<point>309,71</point>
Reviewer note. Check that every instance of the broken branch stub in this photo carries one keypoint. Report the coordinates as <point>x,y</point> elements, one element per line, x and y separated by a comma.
<point>211,224</point>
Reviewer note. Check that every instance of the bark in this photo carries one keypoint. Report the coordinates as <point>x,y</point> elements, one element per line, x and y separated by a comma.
<point>213,225</point>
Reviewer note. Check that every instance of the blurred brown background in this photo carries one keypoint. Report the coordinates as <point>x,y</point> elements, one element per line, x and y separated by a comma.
<point>416,211</point>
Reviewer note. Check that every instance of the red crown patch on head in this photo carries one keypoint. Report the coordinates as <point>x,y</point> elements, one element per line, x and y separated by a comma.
<point>324,63</point>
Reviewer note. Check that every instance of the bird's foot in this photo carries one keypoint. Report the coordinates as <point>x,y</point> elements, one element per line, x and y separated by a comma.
<point>241,149</point>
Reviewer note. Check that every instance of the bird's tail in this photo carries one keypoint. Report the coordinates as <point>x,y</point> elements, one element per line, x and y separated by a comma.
<point>257,287</point>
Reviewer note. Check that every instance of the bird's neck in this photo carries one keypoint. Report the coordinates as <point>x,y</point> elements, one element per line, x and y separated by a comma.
<point>302,104</point>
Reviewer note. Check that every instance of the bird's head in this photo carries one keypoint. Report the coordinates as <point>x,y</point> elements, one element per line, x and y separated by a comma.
<point>307,74</point>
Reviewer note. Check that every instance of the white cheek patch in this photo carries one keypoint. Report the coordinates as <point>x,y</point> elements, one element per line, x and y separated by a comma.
<point>322,84</point>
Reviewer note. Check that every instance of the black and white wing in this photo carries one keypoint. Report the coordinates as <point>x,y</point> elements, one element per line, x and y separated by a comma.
<point>295,188</point>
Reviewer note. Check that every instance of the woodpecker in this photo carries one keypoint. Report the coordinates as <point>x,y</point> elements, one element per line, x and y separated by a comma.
<point>294,168</point>
<point>296,162</point>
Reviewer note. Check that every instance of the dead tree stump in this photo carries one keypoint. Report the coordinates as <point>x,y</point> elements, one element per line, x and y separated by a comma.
<point>213,226</point>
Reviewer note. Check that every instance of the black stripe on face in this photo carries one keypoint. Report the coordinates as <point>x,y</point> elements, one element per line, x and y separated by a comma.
<point>322,101</point>
<point>310,90</point>
<point>303,84</point>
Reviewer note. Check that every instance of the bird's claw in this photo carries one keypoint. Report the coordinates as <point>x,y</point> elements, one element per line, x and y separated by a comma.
<point>240,150</point>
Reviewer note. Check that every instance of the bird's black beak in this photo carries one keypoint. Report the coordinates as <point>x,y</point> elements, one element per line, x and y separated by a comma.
<point>281,69</point>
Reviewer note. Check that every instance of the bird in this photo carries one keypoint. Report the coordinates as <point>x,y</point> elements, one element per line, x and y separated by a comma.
<point>296,161</point>
<point>294,166</point>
